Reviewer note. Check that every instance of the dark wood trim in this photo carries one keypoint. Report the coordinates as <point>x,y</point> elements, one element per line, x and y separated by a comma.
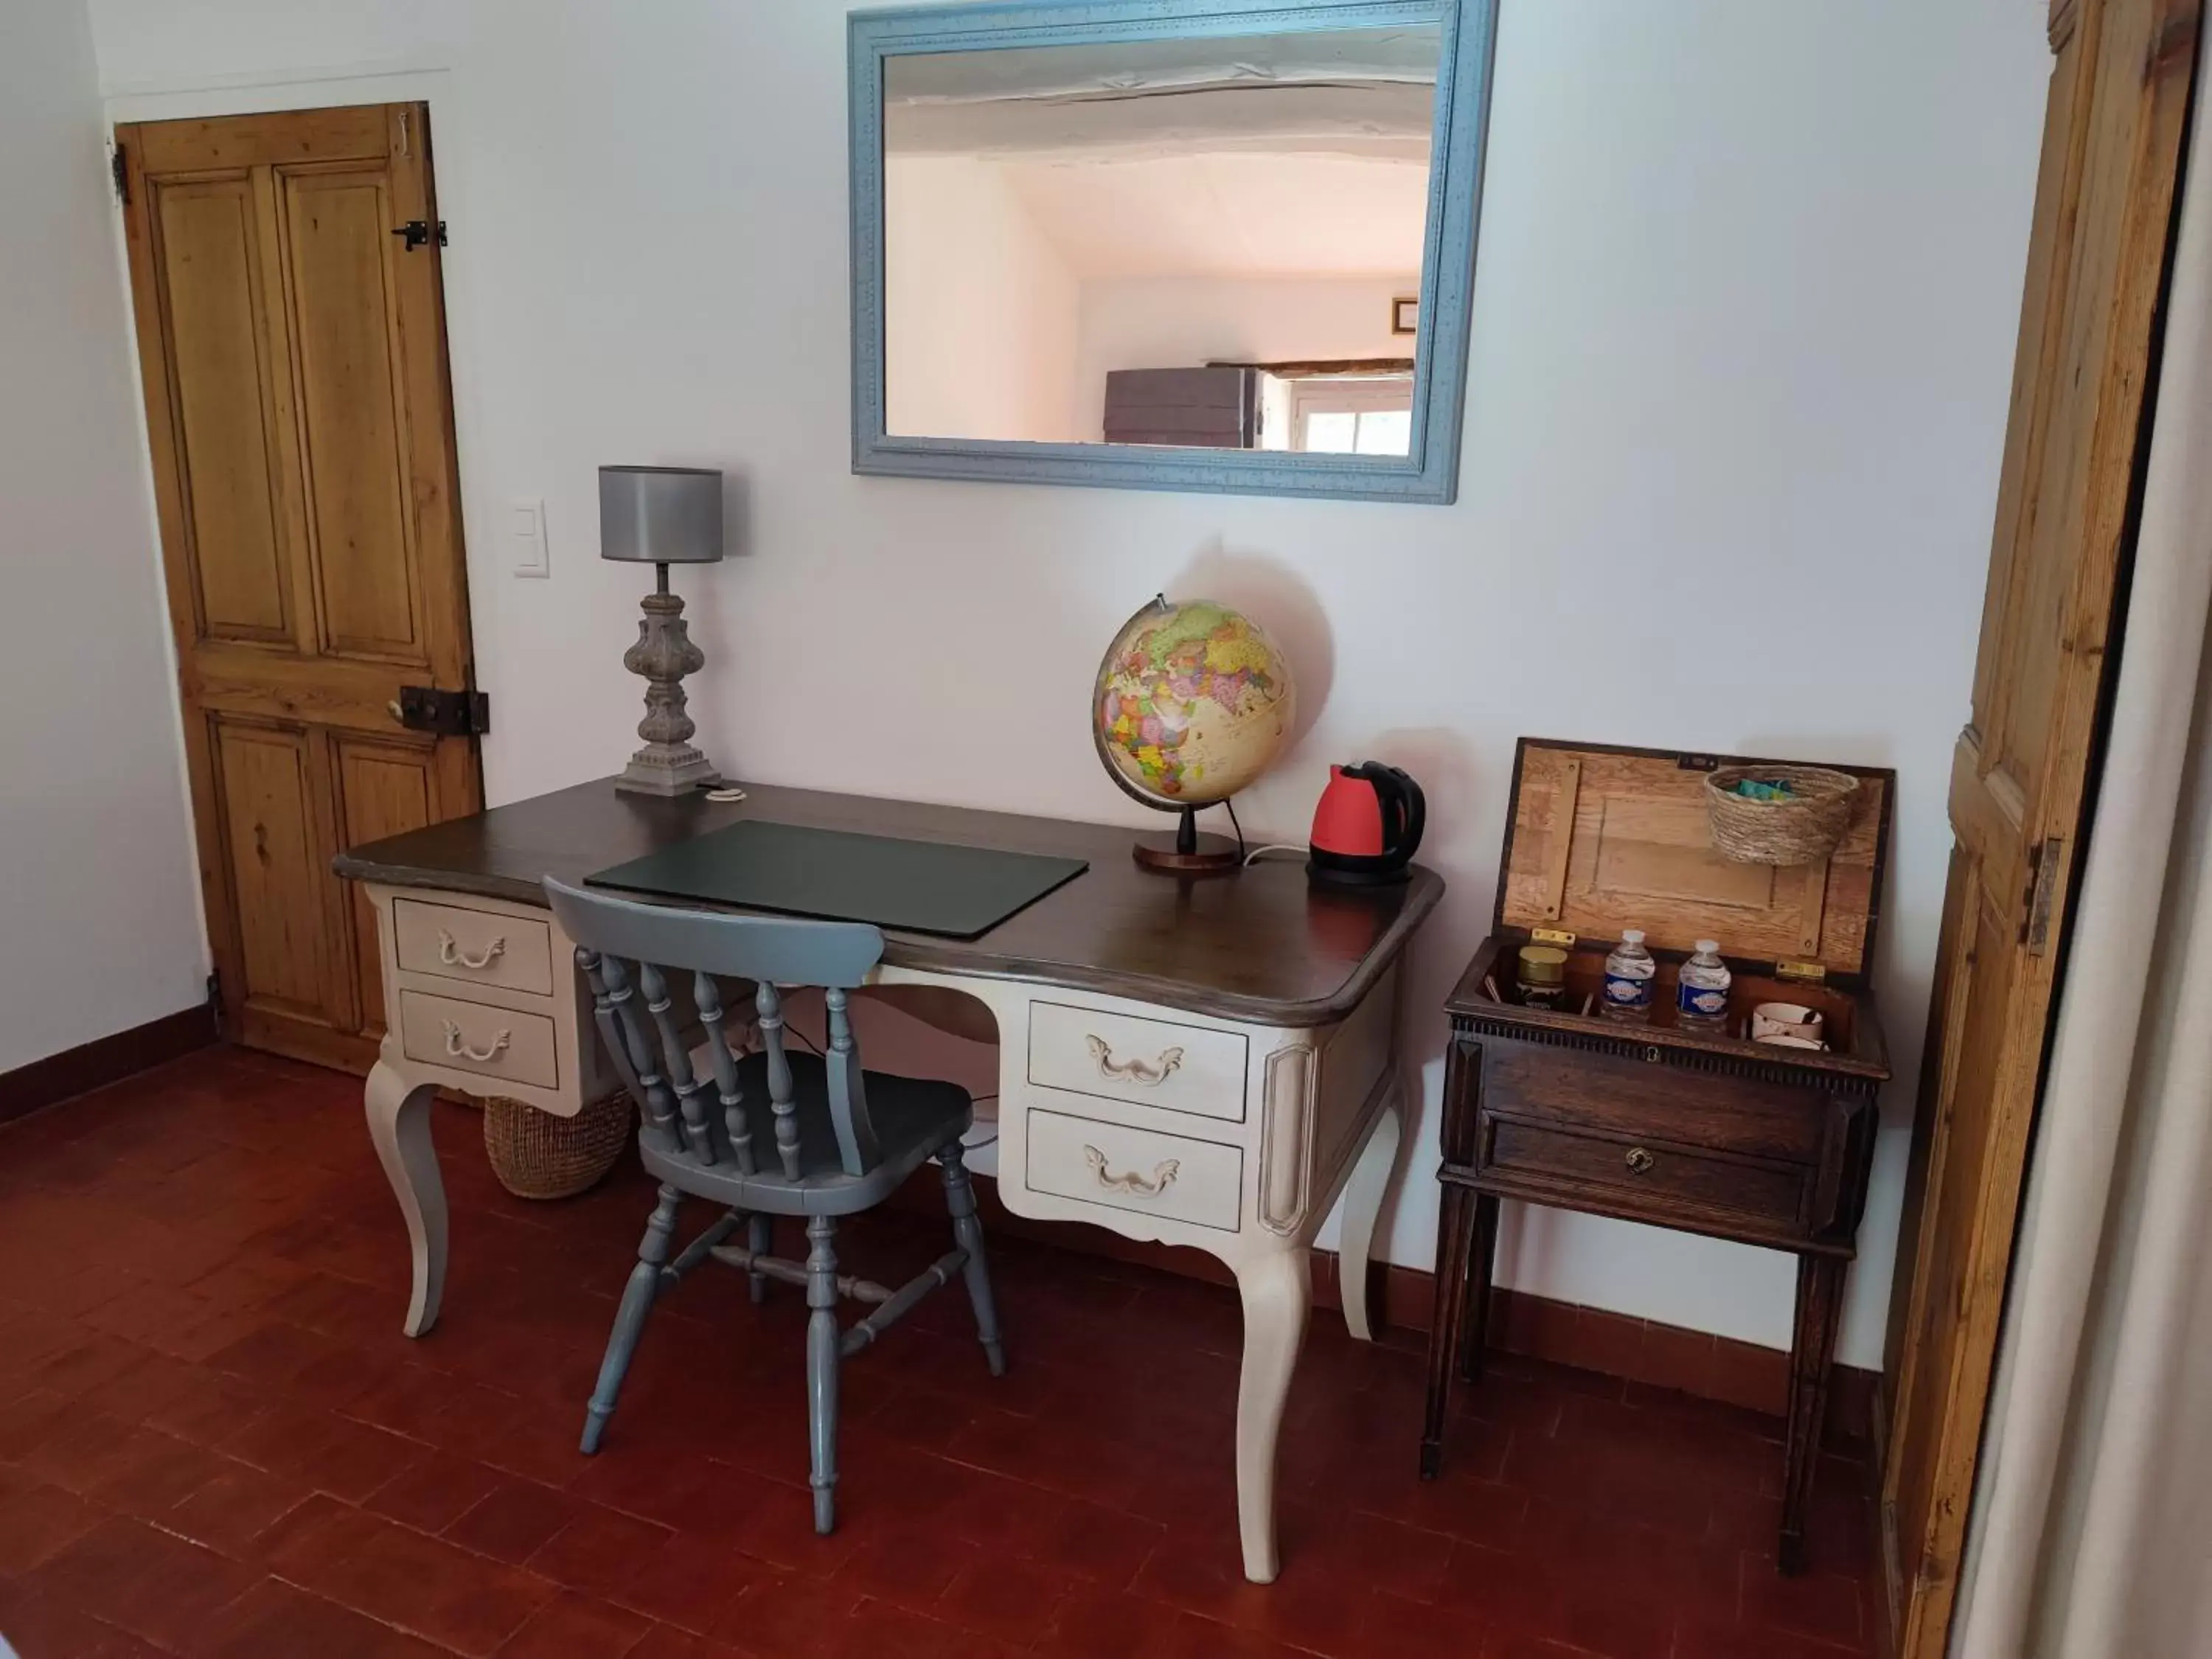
<point>1317,368</point>
<point>1642,1352</point>
<point>103,1060</point>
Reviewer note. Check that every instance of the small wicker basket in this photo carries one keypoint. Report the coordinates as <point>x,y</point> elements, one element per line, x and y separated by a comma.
<point>1803,829</point>
<point>538,1154</point>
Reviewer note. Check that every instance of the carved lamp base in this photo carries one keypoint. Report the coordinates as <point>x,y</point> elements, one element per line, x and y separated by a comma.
<point>668,764</point>
<point>652,773</point>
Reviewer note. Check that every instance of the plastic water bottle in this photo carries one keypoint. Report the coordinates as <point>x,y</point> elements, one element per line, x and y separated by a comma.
<point>1629,971</point>
<point>1701,995</point>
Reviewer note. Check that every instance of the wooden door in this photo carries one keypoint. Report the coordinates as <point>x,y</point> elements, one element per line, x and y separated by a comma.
<point>2119,94</point>
<point>293,353</point>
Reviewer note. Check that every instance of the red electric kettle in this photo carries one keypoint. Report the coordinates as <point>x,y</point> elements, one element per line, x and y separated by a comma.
<point>1367,827</point>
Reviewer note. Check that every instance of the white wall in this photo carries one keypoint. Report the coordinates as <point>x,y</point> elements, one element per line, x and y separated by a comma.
<point>99,924</point>
<point>1743,324</point>
<point>979,308</point>
<point>1180,322</point>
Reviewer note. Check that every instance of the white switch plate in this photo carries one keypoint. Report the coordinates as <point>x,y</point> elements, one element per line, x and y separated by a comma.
<point>525,537</point>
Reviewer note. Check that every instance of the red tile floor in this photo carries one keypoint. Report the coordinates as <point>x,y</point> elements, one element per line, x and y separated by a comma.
<point>215,1442</point>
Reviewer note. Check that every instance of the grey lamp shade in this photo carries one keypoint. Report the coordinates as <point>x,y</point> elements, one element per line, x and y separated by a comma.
<point>661,515</point>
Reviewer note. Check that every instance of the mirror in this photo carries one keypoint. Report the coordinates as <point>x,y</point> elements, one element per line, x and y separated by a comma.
<point>1164,245</point>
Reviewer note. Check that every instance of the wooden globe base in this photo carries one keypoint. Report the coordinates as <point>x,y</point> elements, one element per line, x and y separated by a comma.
<point>1187,853</point>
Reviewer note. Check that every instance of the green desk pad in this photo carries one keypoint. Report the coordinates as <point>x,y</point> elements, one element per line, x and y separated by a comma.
<point>917,886</point>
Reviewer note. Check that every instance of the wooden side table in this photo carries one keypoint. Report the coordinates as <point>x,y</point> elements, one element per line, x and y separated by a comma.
<point>1699,1131</point>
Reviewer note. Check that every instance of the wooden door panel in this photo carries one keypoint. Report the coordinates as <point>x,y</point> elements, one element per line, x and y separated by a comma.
<point>292,358</point>
<point>386,787</point>
<point>338,226</point>
<point>2088,335</point>
<point>265,774</point>
<point>2036,356</point>
<point>209,265</point>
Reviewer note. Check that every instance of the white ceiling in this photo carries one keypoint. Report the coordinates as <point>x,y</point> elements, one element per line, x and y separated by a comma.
<point>1229,214</point>
<point>1299,154</point>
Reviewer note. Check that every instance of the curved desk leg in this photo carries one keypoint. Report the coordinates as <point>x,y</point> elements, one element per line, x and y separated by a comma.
<point>1362,1203</point>
<point>399,1124</point>
<point>1277,1289</point>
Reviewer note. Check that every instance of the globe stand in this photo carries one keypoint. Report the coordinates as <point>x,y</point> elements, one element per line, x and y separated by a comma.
<point>1189,853</point>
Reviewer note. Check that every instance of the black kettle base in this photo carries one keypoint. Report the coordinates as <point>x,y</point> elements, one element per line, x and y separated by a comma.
<point>1338,875</point>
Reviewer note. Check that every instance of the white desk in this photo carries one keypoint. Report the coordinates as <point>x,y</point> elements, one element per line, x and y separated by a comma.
<point>1233,1132</point>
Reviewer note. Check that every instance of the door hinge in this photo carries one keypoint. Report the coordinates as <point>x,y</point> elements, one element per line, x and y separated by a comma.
<point>444,714</point>
<point>418,233</point>
<point>119,169</point>
<point>1805,973</point>
<point>2043,859</point>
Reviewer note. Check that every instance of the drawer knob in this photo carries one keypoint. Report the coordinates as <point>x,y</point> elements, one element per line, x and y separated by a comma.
<point>450,952</point>
<point>1151,1073</point>
<point>1641,1162</point>
<point>457,1046</point>
<point>1162,1176</point>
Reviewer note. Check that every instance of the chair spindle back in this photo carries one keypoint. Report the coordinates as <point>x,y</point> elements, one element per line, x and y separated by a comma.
<point>630,951</point>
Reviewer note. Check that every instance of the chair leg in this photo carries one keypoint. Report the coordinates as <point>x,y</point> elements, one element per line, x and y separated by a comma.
<point>629,1319</point>
<point>967,1232</point>
<point>823,1344</point>
<point>760,1237</point>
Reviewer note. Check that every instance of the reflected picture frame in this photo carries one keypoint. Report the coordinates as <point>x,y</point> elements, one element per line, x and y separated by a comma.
<point>1427,474</point>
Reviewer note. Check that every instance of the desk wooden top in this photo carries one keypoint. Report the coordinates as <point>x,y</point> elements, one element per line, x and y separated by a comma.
<point>1262,945</point>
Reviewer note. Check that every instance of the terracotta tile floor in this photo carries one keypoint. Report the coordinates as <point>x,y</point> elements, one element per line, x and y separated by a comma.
<point>216,1442</point>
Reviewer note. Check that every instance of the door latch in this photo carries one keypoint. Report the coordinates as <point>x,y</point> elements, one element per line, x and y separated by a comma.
<point>443,714</point>
<point>418,232</point>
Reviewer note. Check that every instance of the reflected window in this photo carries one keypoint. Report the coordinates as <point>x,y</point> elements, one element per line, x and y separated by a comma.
<point>1339,414</point>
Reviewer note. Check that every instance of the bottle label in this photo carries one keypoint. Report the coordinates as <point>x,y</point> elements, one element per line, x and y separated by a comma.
<point>1706,1004</point>
<point>1627,991</point>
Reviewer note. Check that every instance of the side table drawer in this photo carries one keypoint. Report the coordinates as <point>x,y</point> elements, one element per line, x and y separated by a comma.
<point>1665,1181</point>
<point>1632,1099</point>
<point>1147,1062</point>
<point>482,947</point>
<point>475,1037</point>
<point>1125,1169</point>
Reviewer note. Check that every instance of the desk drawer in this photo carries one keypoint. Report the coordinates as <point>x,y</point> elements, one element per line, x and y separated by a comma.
<point>1124,1169</point>
<point>1664,1184</point>
<point>1150,1062</point>
<point>474,1036</point>
<point>483,947</point>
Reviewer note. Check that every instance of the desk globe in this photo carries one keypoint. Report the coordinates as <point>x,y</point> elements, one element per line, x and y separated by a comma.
<point>1193,702</point>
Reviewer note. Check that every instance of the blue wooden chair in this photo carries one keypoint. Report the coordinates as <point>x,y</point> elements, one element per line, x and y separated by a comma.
<point>837,1139</point>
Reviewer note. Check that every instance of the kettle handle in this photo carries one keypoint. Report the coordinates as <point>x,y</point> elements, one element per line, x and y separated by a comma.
<point>1401,800</point>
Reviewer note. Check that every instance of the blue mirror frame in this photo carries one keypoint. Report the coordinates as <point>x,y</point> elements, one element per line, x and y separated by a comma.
<point>1429,473</point>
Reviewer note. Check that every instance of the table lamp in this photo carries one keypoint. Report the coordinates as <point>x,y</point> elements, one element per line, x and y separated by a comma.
<point>662,515</point>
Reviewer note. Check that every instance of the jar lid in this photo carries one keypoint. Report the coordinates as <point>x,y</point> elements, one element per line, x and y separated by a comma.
<point>1710,947</point>
<point>1543,964</point>
<point>1632,936</point>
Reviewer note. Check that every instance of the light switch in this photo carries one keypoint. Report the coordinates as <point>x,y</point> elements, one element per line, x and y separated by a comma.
<point>525,535</point>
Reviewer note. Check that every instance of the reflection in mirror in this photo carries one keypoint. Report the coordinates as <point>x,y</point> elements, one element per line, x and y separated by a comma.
<point>1198,243</point>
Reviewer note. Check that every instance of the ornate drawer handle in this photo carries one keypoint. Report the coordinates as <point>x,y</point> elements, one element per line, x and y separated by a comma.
<point>460,1050</point>
<point>1151,1075</point>
<point>1641,1162</point>
<point>450,952</point>
<point>1163,1177</point>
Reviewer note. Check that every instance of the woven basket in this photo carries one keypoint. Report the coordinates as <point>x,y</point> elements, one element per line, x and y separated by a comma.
<point>538,1154</point>
<point>1803,829</point>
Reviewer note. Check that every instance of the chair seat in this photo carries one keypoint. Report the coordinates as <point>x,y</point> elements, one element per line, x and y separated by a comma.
<point>912,1117</point>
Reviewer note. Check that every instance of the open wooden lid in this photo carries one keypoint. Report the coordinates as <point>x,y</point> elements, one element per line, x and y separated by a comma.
<point>1599,839</point>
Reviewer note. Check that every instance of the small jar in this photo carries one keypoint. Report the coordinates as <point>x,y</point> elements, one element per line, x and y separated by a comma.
<point>1541,977</point>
